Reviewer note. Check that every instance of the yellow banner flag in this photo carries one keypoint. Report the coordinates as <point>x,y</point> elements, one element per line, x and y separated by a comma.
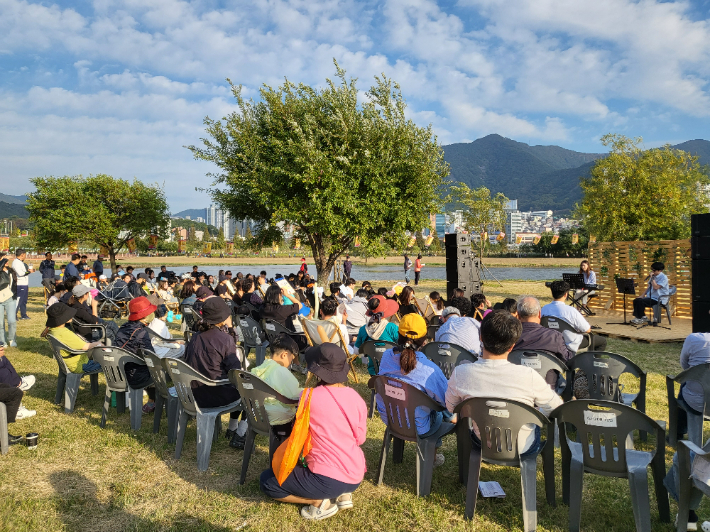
<point>73,247</point>
<point>207,248</point>
<point>275,247</point>
<point>412,241</point>
<point>592,239</point>
<point>536,240</point>
<point>500,236</point>
<point>518,239</point>
<point>230,247</point>
<point>484,236</point>
<point>153,241</point>
<point>297,245</point>
<point>357,241</point>
<point>554,239</point>
<point>182,245</point>
<point>131,243</point>
<point>4,243</point>
<point>103,250</point>
<point>429,240</point>
<point>575,238</point>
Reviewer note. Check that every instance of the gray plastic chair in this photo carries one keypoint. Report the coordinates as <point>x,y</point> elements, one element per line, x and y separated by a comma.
<point>401,400</point>
<point>86,330</point>
<point>253,334</point>
<point>499,421</point>
<point>163,399</point>
<point>254,392</point>
<point>374,349</point>
<point>191,317</point>
<point>68,383</point>
<point>664,304</point>
<point>274,328</point>
<point>600,424</point>
<point>431,330</point>
<point>561,325</point>
<point>4,436</point>
<point>542,362</point>
<point>113,361</point>
<point>447,356</point>
<point>701,375</point>
<point>687,484</point>
<point>209,421</point>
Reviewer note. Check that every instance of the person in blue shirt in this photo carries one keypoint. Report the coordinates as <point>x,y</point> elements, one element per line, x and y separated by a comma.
<point>72,269</point>
<point>657,291</point>
<point>410,365</point>
<point>47,269</point>
<point>99,266</point>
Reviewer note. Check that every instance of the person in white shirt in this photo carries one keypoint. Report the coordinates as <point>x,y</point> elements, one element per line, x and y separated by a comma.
<point>22,272</point>
<point>493,376</point>
<point>656,291</point>
<point>348,289</point>
<point>163,349</point>
<point>458,329</point>
<point>558,309</point>
<point>589,278</point>
<point>329,311</point>
<point>356,309</point>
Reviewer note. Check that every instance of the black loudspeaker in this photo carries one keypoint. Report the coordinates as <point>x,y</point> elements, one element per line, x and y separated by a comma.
<point>699,248</point>
<point>700,266</point>
<point>700,271</point>
<point>457,240</point>
<point>700,224</point>
<point>462,271</point>
<point>701,316</point>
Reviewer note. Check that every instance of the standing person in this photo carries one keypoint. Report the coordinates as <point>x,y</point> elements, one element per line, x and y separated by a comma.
<point>8,303</point>
<point>418,268</point>
<point>656,290</point>
<point>304,266</point>
<point>407,267</point>
<point>347,268</point>
<point>98,266</point>
<point>589,278</point>
<point>22,271</point>
<point>47,269</point>
<point>72,269</point>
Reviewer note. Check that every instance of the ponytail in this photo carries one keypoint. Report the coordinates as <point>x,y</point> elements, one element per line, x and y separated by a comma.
<point>408,356</point>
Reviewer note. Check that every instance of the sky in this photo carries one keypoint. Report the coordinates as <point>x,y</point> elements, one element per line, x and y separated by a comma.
<point>121,86</point>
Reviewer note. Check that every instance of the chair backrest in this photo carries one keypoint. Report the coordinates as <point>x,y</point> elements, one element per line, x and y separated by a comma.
<point>540,361</point>
<point>83,329</point>
<point>431,330</point>
<point>323,331</point>
<point>157,371</point>
<point>672,290</point>
<point>254,392</point>
<point>182,375</point>
<point>251,331</point>
<point>447,356</point>
<point>558,324</point>
<point>113,361</point>
<point>603,370</point>
<point>374,349</point>
<point>192,318</point>
<point>699,374</point>
<point>57,348</point>
<point>605,424</point>
<point>401,400</point>
<point>499,422</point>
<point>273,329</point>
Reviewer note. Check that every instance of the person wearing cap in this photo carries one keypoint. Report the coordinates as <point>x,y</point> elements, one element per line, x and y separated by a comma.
<point>79,301</point>
<point>378,326</point>
<point>213,353</point>
<point>493,376</point>
<point>132,336</point>
<point>457,328</point>
<point>102,283</point>
<point>48,270</point>
<point>408,364</point>
<point>202,294</point>
<point>98,266</point>
<point>58,315</point>
<point>337,428</point>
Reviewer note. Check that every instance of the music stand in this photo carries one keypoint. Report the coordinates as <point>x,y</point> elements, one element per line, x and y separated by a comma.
<point>575,282</point>
<point>625,286</point>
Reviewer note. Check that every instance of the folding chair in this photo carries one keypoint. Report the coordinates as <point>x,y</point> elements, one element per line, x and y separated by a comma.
<point>323,331</point>
<point>447,356</point>
<point>4,436</point>
<point>68,382</point>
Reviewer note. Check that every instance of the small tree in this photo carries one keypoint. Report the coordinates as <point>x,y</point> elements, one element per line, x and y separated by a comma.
<point>220,242</point>
<point>99,209</point>
<point>642,195</point>
<point>482,212</point>
<point>316,159</point>
<point>435,246</point>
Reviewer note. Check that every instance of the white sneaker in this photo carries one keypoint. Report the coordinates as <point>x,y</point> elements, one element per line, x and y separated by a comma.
<point>13,344</point>
<point>27,382</point>
<point>637,321</point>
<point>24,413</point>
<point>345,501</point>
<point>324,511</point>
<point>439,460</point>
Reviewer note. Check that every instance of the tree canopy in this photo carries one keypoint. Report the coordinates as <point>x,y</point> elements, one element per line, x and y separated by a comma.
<point>333,167</point>
<point>99,209</point>
<point>636,194</point>
<point>482,212</point>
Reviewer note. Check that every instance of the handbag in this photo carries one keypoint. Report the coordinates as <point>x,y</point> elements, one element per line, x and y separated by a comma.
<point>298,443</point>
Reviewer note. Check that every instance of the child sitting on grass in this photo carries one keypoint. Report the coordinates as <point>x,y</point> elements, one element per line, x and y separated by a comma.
<point>274,372</point>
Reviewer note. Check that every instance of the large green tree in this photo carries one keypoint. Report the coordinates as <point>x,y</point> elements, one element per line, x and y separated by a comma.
<point>333,167</point>
<point>482,212</point>
<point>636,194</point>
<point>99,209</point>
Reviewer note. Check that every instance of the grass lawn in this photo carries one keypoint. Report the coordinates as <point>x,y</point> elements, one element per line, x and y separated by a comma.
<point>82,477</point>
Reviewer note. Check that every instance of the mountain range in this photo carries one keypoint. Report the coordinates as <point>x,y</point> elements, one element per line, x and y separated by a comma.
<point>192,213</point>
<point>539,177</point>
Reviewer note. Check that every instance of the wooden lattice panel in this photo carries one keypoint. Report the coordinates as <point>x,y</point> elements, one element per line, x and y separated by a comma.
<point>611,260</point>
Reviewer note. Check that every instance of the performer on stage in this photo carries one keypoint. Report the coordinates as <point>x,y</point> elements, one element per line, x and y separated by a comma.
<point>657,288</point>
<point>589,278</point>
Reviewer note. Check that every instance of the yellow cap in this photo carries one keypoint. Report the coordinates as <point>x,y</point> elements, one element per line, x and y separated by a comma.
<point>413,326</point>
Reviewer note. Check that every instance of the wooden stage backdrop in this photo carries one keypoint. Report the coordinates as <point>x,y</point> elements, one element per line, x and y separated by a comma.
<point>611,260</point>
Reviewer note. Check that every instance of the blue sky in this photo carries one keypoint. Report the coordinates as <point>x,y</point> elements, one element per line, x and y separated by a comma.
<point>120,86</point>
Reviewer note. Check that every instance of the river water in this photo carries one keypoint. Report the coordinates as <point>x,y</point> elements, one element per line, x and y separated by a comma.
<point>370,273</point>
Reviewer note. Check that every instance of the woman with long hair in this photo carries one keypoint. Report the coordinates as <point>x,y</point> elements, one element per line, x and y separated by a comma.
<point>589,278</point>
<point>437,302</point>
<point>274,309</point>
<point>378,326</point>
<point>407,303</point>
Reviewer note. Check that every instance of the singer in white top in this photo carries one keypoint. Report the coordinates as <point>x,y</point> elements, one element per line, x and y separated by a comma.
<point>656,291</point>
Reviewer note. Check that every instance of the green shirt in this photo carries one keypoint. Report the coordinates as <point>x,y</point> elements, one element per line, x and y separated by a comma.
<point>72,341</point>
<point>283,381</point>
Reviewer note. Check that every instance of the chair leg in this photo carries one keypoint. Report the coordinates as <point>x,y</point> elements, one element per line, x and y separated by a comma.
<point>173,406</point>
<point>4,437</point>
<point>638,484</point>
<point>548,468</point>
<point>576,484</point>
<point>107,404</point>
<point>158,413</point>
<point>205,434</point>
<point>695,429</point>
<point>528,481</point>
<point>672,413</point>
<point>383,455</point>
<point>371,411</point>
<point>685,486</point>
<point>135,403</point>
<point>658,467</point>
<point>94,380</point>
<point>217,428</point>
<point>249,446</point>
<point>260,354</point>
<point>61,383</point>
<point>120,402</point>
<point>473,475</point>
<point>181,429</point>
<point>463,446</point>
<point>397,450</point>
<point>71,390</point>
<point>426,454</point>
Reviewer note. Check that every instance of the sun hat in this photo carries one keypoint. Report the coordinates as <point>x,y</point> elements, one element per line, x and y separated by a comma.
<point>203,292</point>
<point>102,276</point>
<point>59,314</point>
<point>413,326</point>
<point>139,308</point>
<point>448,311</point>
<point>328,362</point>
<point>387,307</point>
<point>215,311</point>
<point>80,290</point>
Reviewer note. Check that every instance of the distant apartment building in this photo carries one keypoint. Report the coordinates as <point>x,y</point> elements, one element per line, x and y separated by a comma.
<point>514,221</point>
<point>231,228</point>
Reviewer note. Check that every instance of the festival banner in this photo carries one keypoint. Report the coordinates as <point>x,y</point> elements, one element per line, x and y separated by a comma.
<point>153,241</point>
<point>182,245</point>
<point>297,245</point>
<point>484,236</point>
<point>575,238</point>
<point>103,251</point>
<point>74,247</point>
<point>555,239</point>
<point>592,239</point>
<point>500,236</point>
<point>207,248</point>
<point>230,247</point>
<point>428,241</point>
<point>131,243</point>
<point>4,243</point>
<point>518,239</point>
<point>357,241</point>
<point>412,241</point>
<point>536,240</point>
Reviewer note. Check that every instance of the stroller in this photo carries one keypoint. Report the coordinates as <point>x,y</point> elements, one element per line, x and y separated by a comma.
<point>113,301</point>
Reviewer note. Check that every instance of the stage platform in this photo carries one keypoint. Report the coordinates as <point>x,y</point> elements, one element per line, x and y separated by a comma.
<point>679,329</point>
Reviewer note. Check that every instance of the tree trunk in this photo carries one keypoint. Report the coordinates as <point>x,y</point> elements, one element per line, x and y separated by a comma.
<point>112,256</point>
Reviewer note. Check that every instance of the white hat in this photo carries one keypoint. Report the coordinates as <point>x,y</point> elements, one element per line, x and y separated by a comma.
<point>102,276</point>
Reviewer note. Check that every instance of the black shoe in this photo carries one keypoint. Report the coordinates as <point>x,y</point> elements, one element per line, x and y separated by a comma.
<point>14,440</point>
<point>238,441</point>
<point>229,434</point>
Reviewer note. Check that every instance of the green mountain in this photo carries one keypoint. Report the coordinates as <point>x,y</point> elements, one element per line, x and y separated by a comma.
<point>20,200</point>
<point>539,177</point>
<point>8,210</point>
